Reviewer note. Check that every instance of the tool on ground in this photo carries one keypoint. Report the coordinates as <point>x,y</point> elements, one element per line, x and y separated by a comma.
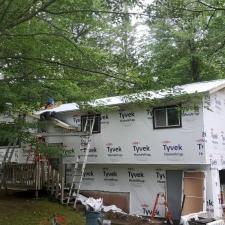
<point>57,220</point>
<point>168,214</point>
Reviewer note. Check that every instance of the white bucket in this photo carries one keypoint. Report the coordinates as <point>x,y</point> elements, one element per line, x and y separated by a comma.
<point>106,222</point>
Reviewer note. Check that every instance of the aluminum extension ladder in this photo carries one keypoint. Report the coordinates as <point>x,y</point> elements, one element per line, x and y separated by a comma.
<point>6,159</point>
<point>81,161</point>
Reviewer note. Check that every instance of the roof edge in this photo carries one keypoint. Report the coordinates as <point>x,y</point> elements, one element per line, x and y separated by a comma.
<point>219,87</point>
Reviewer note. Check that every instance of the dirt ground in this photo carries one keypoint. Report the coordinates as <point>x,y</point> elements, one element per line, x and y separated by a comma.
<point>121,219</point>
<point>15,202</point>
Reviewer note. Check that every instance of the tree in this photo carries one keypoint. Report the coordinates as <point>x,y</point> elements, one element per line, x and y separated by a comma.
<point>186,41</point>
<point>53,48</point>
<point>62,49</point>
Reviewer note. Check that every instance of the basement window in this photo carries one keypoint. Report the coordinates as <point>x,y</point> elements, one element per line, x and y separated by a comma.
<point>166,117</point>
<point>86,122</point>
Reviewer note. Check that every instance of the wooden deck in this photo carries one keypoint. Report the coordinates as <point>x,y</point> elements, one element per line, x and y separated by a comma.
<point>22,176</point>
<point>35,177</point>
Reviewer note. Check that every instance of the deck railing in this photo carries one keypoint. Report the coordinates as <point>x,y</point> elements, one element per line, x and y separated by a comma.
<point>22,176</point>
<point>33,177</point>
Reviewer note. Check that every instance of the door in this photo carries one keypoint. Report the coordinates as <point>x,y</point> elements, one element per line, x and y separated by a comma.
<point>174,192</point>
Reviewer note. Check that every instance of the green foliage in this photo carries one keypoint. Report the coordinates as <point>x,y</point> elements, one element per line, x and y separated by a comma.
<point>59,48</point>
<point>64,49</point>
<point>186,44</point>
<point>50,151</point>
<point>74,50</point>
<point>17,131</point>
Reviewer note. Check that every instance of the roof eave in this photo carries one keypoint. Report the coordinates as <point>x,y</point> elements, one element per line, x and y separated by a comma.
<point>219,87</point>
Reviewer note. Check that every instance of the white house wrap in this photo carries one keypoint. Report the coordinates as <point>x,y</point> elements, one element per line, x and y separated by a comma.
<point>129,154</point>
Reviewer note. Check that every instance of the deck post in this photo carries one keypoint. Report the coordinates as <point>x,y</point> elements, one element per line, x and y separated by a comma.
<point>36,194</point>
<point>62,176</point>
<point>57,185</point>
<point>53,182</point>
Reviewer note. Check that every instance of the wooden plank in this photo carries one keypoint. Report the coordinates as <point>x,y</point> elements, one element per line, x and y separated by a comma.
<point>18,175</point>
<point>49,177</point>
<point>62,171</point>
<point>57,185</point>
<point>193,191</point>
<point>192,205</point>
<point>30,175</point>
<point>193,187</point>
<point>193,174</point>
<point>53,182</point>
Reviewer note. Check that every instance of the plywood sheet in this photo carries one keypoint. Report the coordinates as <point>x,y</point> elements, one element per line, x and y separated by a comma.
<point>194,174</point>
<point>193,187</point>
<point>192,205</point>
<point>193,191</point>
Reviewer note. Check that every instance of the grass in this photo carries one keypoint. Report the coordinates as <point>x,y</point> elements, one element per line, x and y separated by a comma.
<point>23,210</point>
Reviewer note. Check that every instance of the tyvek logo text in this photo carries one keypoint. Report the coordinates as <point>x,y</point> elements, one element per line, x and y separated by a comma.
<point>127,116</point>
<point>114,151</point>
<point>136,176</point>
<point>171,149</point>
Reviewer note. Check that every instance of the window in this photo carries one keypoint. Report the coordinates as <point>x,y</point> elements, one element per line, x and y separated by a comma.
<point>166,117</point>
<point>86,121</point>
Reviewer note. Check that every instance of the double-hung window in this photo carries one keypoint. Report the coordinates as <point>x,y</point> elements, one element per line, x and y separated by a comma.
<point>166,117</point>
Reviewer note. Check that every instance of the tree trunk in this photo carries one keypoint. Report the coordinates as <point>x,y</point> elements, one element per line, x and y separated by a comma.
<point>195,68</point>
<point>195,64</point>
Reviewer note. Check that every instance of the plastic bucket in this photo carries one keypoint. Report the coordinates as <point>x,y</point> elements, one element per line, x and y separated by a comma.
<point>106,222</point>
<point>93,217</point>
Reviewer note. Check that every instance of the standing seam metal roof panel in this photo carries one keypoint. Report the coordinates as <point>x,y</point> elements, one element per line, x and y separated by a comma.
<point>198,87</point>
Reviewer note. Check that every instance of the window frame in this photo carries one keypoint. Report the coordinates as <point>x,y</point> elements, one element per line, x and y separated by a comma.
<point>97,116</point>
<point>166,108</point>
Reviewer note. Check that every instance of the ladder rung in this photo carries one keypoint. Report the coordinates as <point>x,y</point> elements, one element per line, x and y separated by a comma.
<point>77,175</point>
<point>76,182</point>
<point>85,135</point>
<point>82,155</point>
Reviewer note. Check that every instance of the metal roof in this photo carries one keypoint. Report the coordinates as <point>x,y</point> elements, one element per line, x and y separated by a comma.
<point>198,87</point>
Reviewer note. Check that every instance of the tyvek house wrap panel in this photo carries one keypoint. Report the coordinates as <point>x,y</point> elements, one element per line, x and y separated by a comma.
<point>214,130</point>
<point>133,140</point>
<point>142,183</point>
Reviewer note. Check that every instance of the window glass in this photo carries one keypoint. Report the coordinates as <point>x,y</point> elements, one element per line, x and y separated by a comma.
<point>173,117</point>
<point>166,117</point>
<point>160,117</point>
